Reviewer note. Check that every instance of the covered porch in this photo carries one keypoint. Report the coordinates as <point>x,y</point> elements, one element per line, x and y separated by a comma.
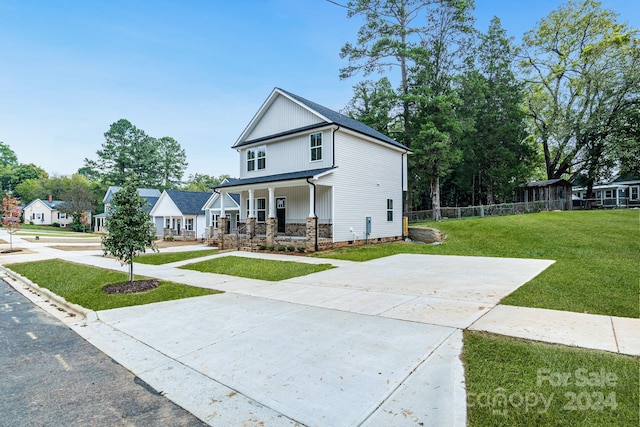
<point>291,210</point>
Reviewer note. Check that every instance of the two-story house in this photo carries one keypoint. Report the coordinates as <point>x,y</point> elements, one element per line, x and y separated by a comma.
<point>312,177</point>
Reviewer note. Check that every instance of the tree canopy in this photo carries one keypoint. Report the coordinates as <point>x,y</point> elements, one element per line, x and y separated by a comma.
<point>129,227</point>
<point>127,150</point>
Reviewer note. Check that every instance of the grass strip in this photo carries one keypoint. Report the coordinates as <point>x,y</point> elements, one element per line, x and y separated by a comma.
<point>169,257</point>
<point>516,382</point>
<point>255,268</point>
<point>82,285</point>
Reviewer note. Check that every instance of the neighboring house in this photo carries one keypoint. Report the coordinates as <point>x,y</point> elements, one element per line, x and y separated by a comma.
<point>622,192</point>
<point>46,212</point>
<point>179,214</point>
<point>151,195</point>
<point>550,194</point>
<point>212,212</point>
<point>312,177</point>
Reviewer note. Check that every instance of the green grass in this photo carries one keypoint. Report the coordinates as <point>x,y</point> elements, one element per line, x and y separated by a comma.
<point>48,230</point>
<point>82,285</point>
<point>596,253</point>
<point>601,389</point>
<point>168,257</point>
<point>255,268</point>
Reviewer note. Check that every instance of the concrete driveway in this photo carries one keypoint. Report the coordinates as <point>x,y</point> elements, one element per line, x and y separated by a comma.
<point>375,343</point>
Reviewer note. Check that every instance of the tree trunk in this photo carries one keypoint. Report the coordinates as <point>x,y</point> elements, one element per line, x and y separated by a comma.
<point>131,270</point>
<point>490,197</point>
<point>435,197</point>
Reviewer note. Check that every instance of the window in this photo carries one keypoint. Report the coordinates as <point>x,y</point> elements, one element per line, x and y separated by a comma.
<point>188,224</point>
<point>251,160</point>
<point>315,144</point>
<point>389,209</point>
<point>62,215</point>
<point>259,154</point>
<point>167,223</point>
<point>608,194</point>
<point>261,209</point>
<point>260,206</point>
<point>635,193</point>
<point>262,157</point>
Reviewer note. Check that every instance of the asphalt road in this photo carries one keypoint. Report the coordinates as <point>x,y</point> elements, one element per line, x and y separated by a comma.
<point>50,376</point>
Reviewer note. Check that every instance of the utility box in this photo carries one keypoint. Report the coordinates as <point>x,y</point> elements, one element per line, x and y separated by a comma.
<point>368,225</point>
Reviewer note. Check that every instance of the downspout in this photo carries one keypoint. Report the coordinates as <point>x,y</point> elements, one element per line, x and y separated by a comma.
<point>333,150</point>
<point>315,215</point>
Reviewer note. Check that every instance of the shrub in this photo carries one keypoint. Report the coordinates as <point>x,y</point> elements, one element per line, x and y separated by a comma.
<point>168,238</point>
<point>302,249</point>
<point>282,248</point>
<point>291,248</point>
<point>272,248</point>
<point>56,225</point>
<point>262,247</point>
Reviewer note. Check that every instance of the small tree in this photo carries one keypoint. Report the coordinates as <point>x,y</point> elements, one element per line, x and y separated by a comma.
<point>10,217</point>
<point>129,228</point>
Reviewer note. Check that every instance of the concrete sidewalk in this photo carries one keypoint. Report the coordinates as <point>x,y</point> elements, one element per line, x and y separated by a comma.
<point>375,343</point>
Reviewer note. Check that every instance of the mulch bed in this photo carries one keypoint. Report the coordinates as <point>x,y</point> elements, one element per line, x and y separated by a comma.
<point>131,287</point>
<point>10,251</point>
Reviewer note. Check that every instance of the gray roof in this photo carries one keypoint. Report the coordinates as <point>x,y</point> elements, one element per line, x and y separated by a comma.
<point>146,193</point>
<point>151,202</point>
<point>333,117</point>
<point>232,182</point>
<point>547,183</point>
<point>235,197</point>
<point>189,202</point>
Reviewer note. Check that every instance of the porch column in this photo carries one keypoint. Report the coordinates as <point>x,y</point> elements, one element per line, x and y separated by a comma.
<point>251,213</point>
<point>272,221</point>
<point>222,230</point>
<point>312,197</point>
<point>272,202</point>
<point>223,195</point>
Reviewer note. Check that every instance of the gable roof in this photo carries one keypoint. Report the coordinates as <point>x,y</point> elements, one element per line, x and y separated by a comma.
<point>327,115</point>
<point>51,205</point>
<point>146,193</point>
<point>235,197</point>
<point>189,202</point>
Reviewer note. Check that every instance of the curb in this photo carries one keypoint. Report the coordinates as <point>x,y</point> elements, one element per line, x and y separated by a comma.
<point>81,312</point>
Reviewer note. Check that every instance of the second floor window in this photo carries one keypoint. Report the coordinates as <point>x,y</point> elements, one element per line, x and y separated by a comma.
<point>256,158</point>
<point>315,144</point>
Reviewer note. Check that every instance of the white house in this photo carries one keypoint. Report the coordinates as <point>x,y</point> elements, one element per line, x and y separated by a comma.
<point>151,195</point>
<point>312,177</point>
<point>46,212</point>
<point>212,209</point>
<point>179,214</point>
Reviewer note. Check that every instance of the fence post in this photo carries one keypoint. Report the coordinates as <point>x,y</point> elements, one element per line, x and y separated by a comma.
<point>481,211</point>
<point>459,213</point>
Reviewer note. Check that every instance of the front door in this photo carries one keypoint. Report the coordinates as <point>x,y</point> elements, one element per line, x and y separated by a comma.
<point>281,214</point>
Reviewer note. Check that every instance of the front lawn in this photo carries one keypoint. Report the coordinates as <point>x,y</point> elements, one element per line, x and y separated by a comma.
<point>255,268</point>
<point>82,284</point>
<point>596,254</point>
<point>168,257</point>
<point>513,382</point>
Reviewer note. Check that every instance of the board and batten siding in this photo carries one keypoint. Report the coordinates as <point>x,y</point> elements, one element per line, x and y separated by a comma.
<point>290,155</point>
<point>281,116</point>
<point>367,175</point>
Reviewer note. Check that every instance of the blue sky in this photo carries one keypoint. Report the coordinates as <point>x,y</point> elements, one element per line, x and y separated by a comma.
<point>194,70</point>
